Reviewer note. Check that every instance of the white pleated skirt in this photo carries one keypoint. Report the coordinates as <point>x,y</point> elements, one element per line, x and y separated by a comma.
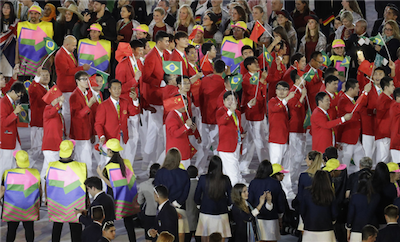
<point>269,229</point>
<point>209,224</point>
<point>355,237</point>
<point>183,223</point>
<point>323,236</point>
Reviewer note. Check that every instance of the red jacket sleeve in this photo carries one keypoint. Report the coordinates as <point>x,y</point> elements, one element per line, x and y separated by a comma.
<point>52,112</point>
<point>100,120</point>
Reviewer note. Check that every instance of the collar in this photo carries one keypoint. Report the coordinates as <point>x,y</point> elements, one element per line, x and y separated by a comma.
<point>114,101</point>
<point>362,34</point>
<point>97,222</point>
<point>95,196</point>
<point>377,88</point>
<point>159,52</point>
<point>392,223</point>
<point>181,53</point>
<point>162,205</point>
<point>179,113</point>
<point>388,95</point>
<point>298,88</point>
<point>330,94</point>
<point>169,51</point>
<point>69,53</point>
<point>84,93</point>
<point>94,92</point>
<point>192,65</point>
<point>325,112</point>
<point>351,99</point>
<point>9,98</point>
<point>45,86</point>
<point>251,74</point>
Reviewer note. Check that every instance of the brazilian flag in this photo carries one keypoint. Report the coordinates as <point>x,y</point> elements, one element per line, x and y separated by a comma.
<point>255,78</point>
<point>23,115</point>
<point>346,62</point>
<point>378,40</point>
<point>268,57</point>
<point>50,45</point>
<point>172,67</point>
<point>309,75</point>
<point>327,60</point>
<point>236,82</point>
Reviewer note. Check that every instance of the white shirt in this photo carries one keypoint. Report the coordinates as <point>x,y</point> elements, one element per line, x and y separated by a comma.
<point>159,52</point>
<point>134,63</point>
<point>351,99</point>
<point>9,98</point>
<point>181,53</point>
<point>162,205</point>
<point>69,53</point>
<point>180,116</point>
<point>115,102</point>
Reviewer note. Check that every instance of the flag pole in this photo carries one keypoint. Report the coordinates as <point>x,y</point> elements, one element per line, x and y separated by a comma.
<point>186,108</point>
<point>94,68</point>
<point>348,68</point>
<point>266,30</point>
<point>258,84</point>
<point>385,46</point>
<point>44,62</point>
<point>354,109</point>
<point>205,57</point>
<point>263,55</point>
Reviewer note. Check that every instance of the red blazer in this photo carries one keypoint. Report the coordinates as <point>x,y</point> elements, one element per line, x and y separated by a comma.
<point>210,88</point>
<point>126,75</point>
<point>8,123</point>
<point>274,75</point>
<point>53,128</point>
<point>278,122</point>
<point>66,69</point>
<point>349,132</point>
<point>368,114</point>
<point>382,121</point>
<point>153,74</point>
<point>37,105</point>
<point>192,71</point>
<point>168,91</point>
<point>107,121</point>
<point>166,54</point>
<point>332,111</point>
<point>178,135</point>
<point>395,130</point>
<point>321,129</point>
<point>81,123</point>
<point>93,112</point>
<point>175,56</point>
<point>297,112</point>
<point>227,130</point>
<point>396,78</point>
<point>286,76</point>
<point>243,69</point>
<point>313,87</point>
<point>258,111</point>
<point>206,72</point>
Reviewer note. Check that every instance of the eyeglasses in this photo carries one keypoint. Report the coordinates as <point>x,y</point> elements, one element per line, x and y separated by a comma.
<point>386,29</point>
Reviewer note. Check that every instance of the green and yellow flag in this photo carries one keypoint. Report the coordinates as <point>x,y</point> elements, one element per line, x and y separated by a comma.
<point>236,82</point>
<point>327,60</point>
<point>172,67</point>
<point>50,45</point>
<point>255,78</point>
<point>378,40</point>
<point>268,57</point>
<point>23,115</point>
<point>308,76</point>
<point>346,62</point>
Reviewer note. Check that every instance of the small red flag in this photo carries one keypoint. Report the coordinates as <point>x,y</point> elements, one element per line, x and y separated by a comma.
<point>366,67</point>
<point>124,50</point>
<point>193,34</point>
<point>258,30</point>
<point>173,103</point>
<point>206,66</point>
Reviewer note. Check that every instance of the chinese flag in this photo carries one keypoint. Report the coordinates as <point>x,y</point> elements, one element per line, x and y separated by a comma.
<point>258,30</point>
<point>194,88</point>
<point>206,66</point>
<point>124,50</point>
<point>173,103</point>
<point>193,34</point>
<point>366,67</point>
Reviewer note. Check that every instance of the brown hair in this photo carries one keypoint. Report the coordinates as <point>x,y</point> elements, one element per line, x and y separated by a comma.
<point>165,236</point>
<point>172,159</point>
<point>236,196</point>
<point>317,161</point>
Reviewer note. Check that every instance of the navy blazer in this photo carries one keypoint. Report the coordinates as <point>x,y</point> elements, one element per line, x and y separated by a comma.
<point>352,182</point>
<point>92,233</point>
<point>388,193</point>
<point>390,233</point>
<point>167,220</point>
<point>257,188</point>
<point>315,217</point>
<point>103,240</point>
<point>361,212</point>
<point>108,205</point>
<point>208,205</point>
<point>178,183</point>
<point>305,180</point>
<point>397,203</point>
<point>241,219</point>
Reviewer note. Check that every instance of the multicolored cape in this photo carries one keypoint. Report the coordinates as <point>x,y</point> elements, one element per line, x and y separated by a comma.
<point>32,45</point>
<point>65,190</point>
<point>8,43</point>
<point>95,53</point>
<point>21,197</point>
<point>231,50</point>
<point>124,188</point>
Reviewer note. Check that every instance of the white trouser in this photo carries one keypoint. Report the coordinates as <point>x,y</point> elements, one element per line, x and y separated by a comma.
<point>96,156</point>
<point>35,152</point>
<point>66,112</point>
<point>49,156</point>
<point>297,152</point>
<point>348,152</point>
<point>131,145</point>
<point>186,163</point>
<point>209,137</point>
<point>395,155</point>
<point>248,147</point>
<point>230,165</point>
<point>368,143</point>
<point>277,152</point>
<point>6,158</point>
<point>83,153</point>
<point>355,237</point>
<point>382,150</point>
<point>259,135</point>
<point>144,119</point>
<point>154,140</point>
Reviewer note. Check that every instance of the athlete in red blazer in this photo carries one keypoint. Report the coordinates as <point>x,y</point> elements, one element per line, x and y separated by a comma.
<point>395,125</point>
<point>53,127</point>
<point>314,86</point>
<point>175,56</point>
<point>36,91</point>
<point>368,113</point>
<point>274,74</point>
<point>153,74</point>
<point>168,91</point>
<point>125,73</point>
<point>297,111</point>
<point>178,133</point>
<point>210,88</point>
<point>286,76</point>
<point>8,120</point>
<point>258,111</point>
<point>66,67</point>
<point>81,123</point>
<point>227,129</point>
<point>382,120</point>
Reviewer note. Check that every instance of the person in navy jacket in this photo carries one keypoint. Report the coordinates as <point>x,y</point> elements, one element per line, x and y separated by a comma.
<point>177,181</point>
<point>392,230</point>
<point>213,195</point>
<point>318,209</point>
<point>268,218</point>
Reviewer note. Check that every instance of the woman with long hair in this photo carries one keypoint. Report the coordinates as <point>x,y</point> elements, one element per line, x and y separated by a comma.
<point>318,209</point>
<point>69,22</point>
<point>268,218</point>
<point>244,214</point>
<point>213,195</point>
<point>123,194</point>
<point>283,20</point>
<point>8,26</point>
<point>178,183</point>
<point>237,14</point>
<point>185,19</point>
<point>344,31</point>
<point>298,15</point>
<point>126,24</point>
<point>210,27</point>
<point>362,207</point>
<point>314,39</point>
<point>353,8</point>
<point>260,15</point>
<point>284,50</point>
<point>391,36</point>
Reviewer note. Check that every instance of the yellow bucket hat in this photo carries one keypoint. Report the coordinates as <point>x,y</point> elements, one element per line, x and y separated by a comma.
<point>142,28</point>
<point>66,148</point>
<point>96,27</point>
<point>334,164</point>
<point>35,8</point>
<point>22,158</point>
<point>114,145</point>
<point>278,168</point>
<point>240,24</point>
<point>393,167</point>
